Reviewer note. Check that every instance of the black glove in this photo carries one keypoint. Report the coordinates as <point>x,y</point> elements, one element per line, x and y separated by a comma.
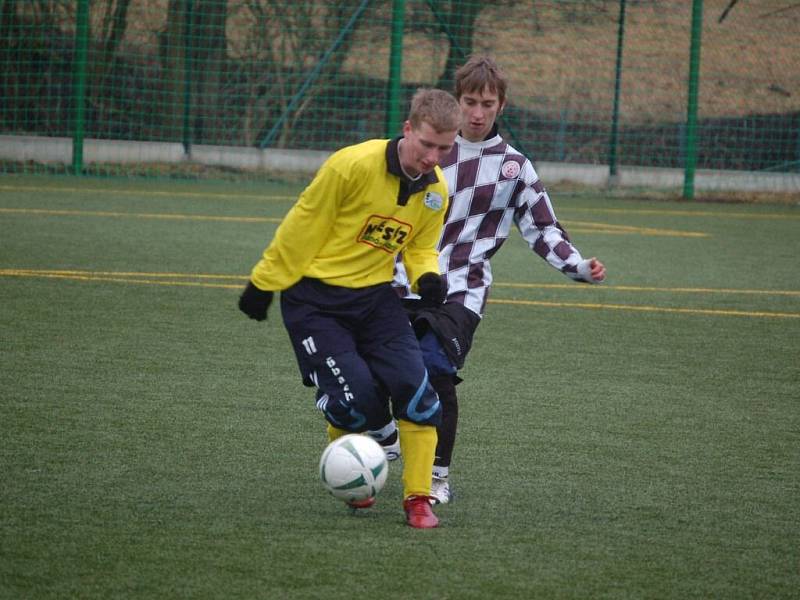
<point>254,302</point>
<point>431,288</point>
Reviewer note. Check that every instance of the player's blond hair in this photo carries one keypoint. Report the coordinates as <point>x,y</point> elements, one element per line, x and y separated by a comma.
<point>480,73</point>
<point>437,108</point>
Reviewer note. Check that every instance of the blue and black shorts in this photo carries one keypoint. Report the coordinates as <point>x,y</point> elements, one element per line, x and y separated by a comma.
<point>358,348</point>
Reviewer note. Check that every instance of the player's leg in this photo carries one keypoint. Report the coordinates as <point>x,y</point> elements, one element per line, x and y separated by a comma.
<point>442,374</point>
<point>443,377</point>
<point>326,351</point>
<point>445,388</point>
<point>397,363</point>
<point>346,391</point>
<point>334,433</point>
<point>390,347</point>
<point>387,436</point>
<point>319,319</point>
<point>418,444</point>
<point>347,396</point>
<point>445,333</point>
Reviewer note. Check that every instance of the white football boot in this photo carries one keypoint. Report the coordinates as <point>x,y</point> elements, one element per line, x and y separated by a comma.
<point>440,490</point>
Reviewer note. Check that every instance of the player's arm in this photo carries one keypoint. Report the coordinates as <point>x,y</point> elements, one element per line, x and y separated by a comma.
<point>297,241</point>
<point>592,270</point>
<point>536,220</point>
<point>301,234</point>
<point>421,255</point>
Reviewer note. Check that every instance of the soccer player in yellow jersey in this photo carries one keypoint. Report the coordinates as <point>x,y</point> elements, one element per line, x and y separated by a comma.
<point>333,260</point>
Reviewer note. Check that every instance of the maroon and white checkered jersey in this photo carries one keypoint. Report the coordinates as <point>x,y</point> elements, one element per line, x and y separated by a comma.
<point>491,186</point>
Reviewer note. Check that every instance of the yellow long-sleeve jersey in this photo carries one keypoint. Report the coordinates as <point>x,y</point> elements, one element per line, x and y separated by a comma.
<point>352,220</point>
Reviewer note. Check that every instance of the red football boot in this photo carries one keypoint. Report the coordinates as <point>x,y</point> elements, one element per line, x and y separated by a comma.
<point>419,513</point>
<point>356,504</point>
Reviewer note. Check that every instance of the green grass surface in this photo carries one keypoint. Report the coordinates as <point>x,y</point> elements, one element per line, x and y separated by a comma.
<point>639,439</point>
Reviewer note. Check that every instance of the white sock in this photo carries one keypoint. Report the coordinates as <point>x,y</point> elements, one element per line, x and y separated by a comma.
<point>381,434</point>
<point>441,472</point>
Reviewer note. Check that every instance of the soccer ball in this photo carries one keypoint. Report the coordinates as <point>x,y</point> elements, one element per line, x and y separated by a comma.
<point>353,467</point>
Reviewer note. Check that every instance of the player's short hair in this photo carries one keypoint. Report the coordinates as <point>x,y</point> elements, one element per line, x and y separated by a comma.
<point>437,108</point>
<point>478,73</point>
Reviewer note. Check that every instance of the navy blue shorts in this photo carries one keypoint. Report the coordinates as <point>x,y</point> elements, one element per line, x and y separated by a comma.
<point>358,348</point>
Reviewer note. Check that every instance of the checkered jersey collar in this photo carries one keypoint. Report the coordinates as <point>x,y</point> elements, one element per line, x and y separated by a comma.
<point>493,138</point>
<point>407,186</point>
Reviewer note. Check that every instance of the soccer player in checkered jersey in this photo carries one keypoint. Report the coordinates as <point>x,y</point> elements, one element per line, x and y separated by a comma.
<point>333,260</point>
<point>491,187</point>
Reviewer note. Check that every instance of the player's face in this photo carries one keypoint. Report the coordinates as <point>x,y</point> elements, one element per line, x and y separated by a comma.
<point>478,113</point>
<point>423,148</point>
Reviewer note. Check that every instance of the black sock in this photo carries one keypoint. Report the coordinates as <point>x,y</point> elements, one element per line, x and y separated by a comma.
<point>446,389</point>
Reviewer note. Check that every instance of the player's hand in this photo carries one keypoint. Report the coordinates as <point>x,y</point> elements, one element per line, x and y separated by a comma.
<point>431,288</point>
<point>595,270</point>
<point>254,302</point>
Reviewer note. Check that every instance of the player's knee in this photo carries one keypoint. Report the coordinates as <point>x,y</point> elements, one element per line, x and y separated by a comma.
<point>423,406</point>
<point>341,413</point>
<point>348,393</point>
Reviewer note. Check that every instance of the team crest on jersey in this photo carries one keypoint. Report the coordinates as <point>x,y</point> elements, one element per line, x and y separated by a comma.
<point>510,169</point>
<point>433,201</point>
<point>385,233</point>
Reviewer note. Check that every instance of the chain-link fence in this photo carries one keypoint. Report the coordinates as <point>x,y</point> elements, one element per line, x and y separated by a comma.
<point>600,90</point>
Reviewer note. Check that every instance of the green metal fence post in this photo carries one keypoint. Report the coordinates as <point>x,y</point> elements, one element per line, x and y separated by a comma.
<point>393,114</point>
<point>81,52</point>
<point>188,55</point>
<point>612,144</point>
<point>691,110</point>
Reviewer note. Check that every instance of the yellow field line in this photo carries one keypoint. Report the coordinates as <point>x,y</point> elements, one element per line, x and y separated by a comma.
<point>644,288</point>
<point>588,227</point>
<point>165,194</point>
<point>609,228</point>
<point>631,307</point>
<point>681,213</point>
<point>180,279</point>
<point>137,278</point>
<point>239,195</point>
<point>167,216</point>
<point>545,286</point>
<point>91,274</point>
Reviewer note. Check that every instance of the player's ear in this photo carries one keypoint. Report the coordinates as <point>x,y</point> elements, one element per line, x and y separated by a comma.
<point>407,128</point>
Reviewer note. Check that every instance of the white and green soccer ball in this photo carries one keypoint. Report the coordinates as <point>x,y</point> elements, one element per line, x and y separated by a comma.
<point>353,467</point>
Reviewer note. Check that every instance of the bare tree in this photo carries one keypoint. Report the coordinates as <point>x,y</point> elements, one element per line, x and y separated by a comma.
<point>209,63</point>
<point>111,17</point>
<point>283,47</point>
<point>457,20</point>
<point>173,57</point>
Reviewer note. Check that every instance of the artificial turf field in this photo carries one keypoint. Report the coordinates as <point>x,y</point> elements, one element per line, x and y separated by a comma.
<point>639,439</point>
